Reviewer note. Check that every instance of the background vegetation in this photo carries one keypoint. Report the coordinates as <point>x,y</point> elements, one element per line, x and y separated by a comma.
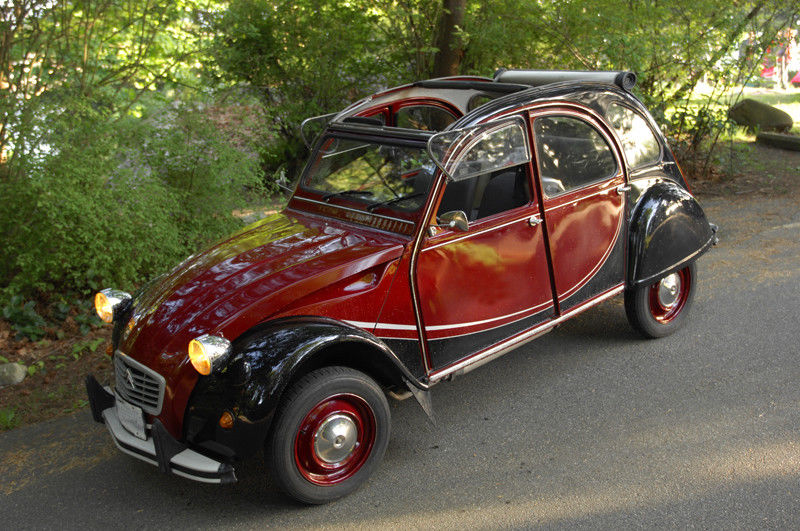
<point>130,130</point>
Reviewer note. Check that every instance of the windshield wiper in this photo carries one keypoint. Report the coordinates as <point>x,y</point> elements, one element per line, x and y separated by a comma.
<point>345,192</point>
<point>395,200</point>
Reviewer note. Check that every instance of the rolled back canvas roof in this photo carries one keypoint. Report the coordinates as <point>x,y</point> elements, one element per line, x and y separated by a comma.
<point>624,80</point>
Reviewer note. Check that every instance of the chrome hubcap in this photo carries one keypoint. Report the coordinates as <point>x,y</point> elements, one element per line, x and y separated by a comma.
<point>335,439</point>
<point>668,290</point>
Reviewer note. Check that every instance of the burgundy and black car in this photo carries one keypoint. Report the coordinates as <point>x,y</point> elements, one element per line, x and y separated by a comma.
<point>435,227</point>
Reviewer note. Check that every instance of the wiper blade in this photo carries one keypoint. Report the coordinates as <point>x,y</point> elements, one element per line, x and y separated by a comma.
<point>395,200</point>
<point>345,192</point>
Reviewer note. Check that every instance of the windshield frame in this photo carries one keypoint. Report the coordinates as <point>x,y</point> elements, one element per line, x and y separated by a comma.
<point>349,207</point>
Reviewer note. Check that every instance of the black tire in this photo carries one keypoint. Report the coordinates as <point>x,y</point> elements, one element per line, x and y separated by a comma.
<point>352,410</point>
<point>646,311</point>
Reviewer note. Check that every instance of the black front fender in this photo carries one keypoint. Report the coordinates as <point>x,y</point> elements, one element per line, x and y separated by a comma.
<point>264,361</point>
<point>668,230</point>
<point>269,356</point>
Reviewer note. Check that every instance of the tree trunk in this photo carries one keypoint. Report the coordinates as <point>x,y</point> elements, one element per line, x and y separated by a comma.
<point>450,49</point>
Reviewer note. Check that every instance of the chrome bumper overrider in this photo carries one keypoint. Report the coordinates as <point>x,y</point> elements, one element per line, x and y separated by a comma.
<point>159,448</point>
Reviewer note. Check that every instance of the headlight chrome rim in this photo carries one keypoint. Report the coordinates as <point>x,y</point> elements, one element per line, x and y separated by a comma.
<point>108,301</point>
<point>207,353</point>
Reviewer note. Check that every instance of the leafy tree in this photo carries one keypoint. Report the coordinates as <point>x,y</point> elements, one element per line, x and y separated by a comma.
<point>114,166</point>
<point>164,114</point>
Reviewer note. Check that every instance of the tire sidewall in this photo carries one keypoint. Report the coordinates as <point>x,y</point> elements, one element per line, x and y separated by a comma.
<point>305,395</point>
<point>637,306</point>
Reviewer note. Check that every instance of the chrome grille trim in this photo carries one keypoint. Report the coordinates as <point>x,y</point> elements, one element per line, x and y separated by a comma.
<point>138,384</point>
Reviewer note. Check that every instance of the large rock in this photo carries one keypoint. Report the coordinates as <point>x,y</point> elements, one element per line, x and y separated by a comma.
<point>12,373</point>
<point>759,116</point>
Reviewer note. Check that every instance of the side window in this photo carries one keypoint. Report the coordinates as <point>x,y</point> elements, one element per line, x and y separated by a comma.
<point>488,193</point>
<point>638,141</point>
<point>424,117</point>
<point>571,154</point>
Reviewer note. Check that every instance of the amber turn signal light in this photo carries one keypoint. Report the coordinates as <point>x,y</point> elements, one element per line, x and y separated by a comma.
<point>226,421</point>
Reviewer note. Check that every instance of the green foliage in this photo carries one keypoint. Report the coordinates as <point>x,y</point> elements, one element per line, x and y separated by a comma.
<point>126,141</point>
<point>8,418</point>
<point>24,318</point>
<point>303,58</point>
<point>88,345</point>
<point>35,367</point>
<point>86,321</point>
<point>681,50</point>
<point>98,202</point>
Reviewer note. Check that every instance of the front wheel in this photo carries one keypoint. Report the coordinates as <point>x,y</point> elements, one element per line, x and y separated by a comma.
<point>329,435</point>
<point>660,308</point>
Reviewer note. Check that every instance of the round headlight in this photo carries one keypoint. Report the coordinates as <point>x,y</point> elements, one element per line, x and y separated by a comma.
<point>107,300</point>
<point>207,353</point>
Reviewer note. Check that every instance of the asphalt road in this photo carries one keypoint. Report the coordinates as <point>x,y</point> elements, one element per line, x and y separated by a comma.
<point>589,426</point>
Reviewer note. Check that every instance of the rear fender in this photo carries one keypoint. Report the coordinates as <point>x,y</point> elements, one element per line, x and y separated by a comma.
<point>668,230</point>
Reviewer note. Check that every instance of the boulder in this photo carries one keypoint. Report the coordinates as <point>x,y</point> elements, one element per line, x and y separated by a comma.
<point>759,116</point>
<point>12,373</point>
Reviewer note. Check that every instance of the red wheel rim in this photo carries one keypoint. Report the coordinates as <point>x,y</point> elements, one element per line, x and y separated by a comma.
<point>669,295</point>
<point>335,439</point>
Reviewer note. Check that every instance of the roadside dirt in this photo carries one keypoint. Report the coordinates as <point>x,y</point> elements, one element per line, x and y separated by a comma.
<point>57,369</point>
<point>753,196</point>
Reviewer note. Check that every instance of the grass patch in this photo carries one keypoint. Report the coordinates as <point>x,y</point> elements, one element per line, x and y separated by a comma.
<point>8,418</point>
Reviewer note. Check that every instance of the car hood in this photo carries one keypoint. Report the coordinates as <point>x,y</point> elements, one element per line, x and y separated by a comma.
<point>241,281</point>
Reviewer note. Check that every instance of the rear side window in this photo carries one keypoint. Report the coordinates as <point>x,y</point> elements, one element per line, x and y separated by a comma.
<point>424,117</point>
<point>571,154</point>
<point>638,141</point>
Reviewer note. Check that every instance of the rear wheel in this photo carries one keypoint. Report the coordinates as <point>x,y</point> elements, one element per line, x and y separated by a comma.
<point>329,435</point>
<point>660,308</point>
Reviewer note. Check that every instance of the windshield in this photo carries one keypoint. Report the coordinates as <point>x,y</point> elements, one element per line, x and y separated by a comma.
<point>384,178</point>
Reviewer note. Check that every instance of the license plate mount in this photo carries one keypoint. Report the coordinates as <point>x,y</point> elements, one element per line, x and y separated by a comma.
<point>132,418</point>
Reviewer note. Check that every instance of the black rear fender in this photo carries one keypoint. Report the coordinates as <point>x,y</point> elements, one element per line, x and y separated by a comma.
<point>668,230</point>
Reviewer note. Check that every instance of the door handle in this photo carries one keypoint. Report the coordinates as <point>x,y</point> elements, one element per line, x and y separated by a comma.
<point>534,220</point>
<point>621,189</point>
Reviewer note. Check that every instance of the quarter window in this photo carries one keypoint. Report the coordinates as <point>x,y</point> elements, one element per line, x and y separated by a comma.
<point>571,154</point>
<point>638,141</point>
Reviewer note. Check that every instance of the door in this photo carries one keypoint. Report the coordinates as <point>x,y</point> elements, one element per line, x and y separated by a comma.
<point>583,195</point>
<point>481,286</point>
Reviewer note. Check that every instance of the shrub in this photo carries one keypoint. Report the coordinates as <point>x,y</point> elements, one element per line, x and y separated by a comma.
<point>90,201</point>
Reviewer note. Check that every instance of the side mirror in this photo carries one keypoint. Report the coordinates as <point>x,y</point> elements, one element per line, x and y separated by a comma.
<point>455,219</point>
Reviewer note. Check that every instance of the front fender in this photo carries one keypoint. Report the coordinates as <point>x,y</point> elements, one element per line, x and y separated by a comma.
<point>668,230</point>
<point>272,353</point>
<point>265,360</point>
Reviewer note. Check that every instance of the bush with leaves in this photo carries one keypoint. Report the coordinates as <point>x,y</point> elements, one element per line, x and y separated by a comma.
<point>94,201</point>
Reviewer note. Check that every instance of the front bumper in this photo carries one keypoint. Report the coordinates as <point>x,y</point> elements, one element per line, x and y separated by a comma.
<point>159,448</point>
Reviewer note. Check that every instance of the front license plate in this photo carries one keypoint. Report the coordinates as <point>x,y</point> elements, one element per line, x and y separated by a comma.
<point>131,417</point>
